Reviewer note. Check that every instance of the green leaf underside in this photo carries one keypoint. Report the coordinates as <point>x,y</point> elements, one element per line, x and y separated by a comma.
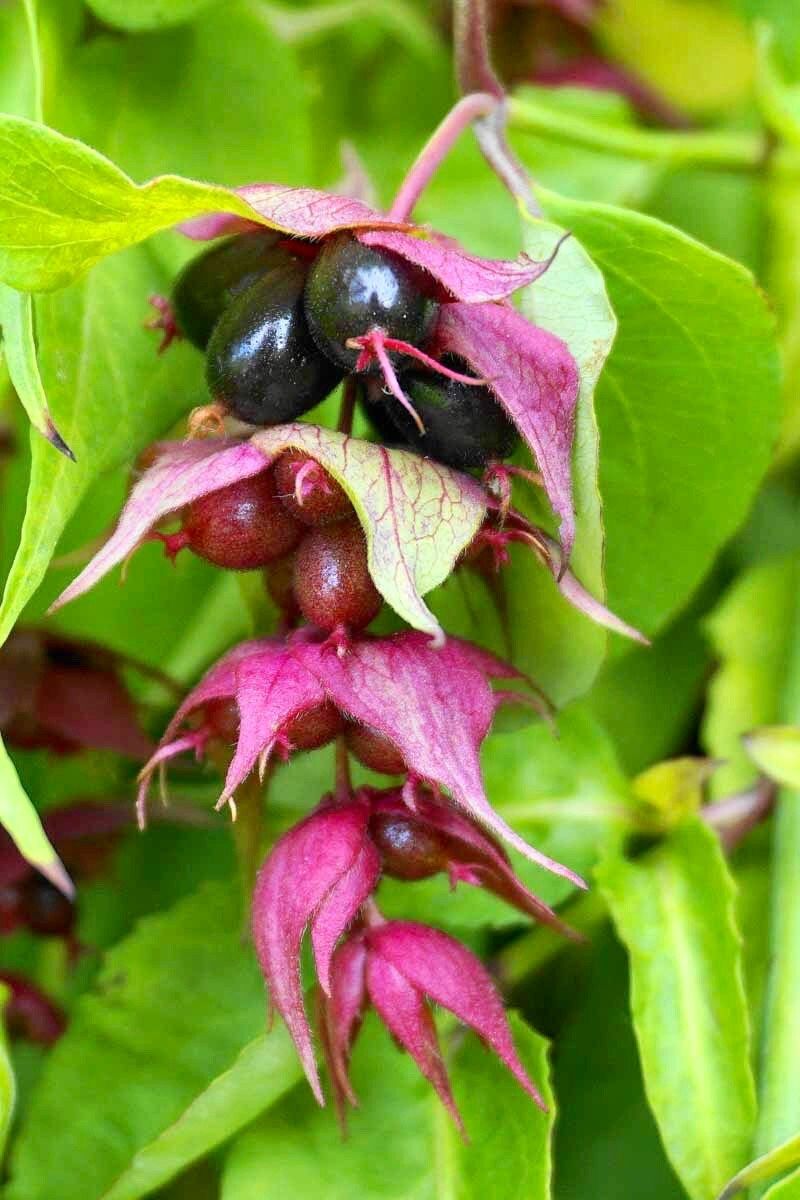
<point>776,751</point>
<point>161,1060</point>
<point>570,301</point>
<point>418,516</point>
<point>400,1141</point>
<point>673,909</point>
<point>687,404</point>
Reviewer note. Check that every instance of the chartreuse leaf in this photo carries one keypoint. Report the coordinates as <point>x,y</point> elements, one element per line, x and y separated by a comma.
<point>781,1159</point>
<point>163,1059</point>
<point>751,632</point>
<point>8,1087</point>
<point>400,1141</point>
<point>775,750</point>
<point>688,404</point>
<point>673,909</point>
<point>785,1189</point>
<point>137,16</point>
<point>561,647</point>
<point>20,818</point>
<point>64,206</point>
<point>16,321</point>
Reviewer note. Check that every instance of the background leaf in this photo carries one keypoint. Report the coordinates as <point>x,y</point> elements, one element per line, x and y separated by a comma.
<point>140,15</point>
<point>687,405</point>
<point>8,1085</point>
<point>174,1007</point>
<point>673,909</point>
<point>401,1142</point>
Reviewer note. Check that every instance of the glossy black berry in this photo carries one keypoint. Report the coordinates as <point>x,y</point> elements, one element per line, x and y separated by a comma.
<point>332,582</point>
<point>352,289</point>
<point>209,282</point>
<point>464,425</point>
<point>241,527</point>
<point>262,361</point>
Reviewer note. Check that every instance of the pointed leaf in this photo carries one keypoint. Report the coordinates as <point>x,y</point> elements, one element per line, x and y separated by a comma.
<point>782,1158</point>
<point>20,818</point>
<point>16,321</point>
<point>673,909</point>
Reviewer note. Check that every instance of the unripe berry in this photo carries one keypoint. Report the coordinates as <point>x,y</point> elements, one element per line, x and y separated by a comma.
<point>332,582</point>
<point>262,361</point>
<point>211,280</point>
<point>242,526</point>
<point>314,728</point>
<point>374,750</point>
<point>323,500</point>
<point>352,289</point>
<point>409,850</point>
<point>464,425</point>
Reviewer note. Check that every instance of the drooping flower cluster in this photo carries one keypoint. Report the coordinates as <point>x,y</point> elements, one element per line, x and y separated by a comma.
<point>315,289</point>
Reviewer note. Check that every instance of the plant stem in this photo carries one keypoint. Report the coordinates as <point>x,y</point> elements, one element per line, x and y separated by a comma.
<point>248,835</point>
<point>780,1046</point>
<point>348,407</point>
<point>460,117</point>
<point>732,151</point>
<point>344,784</point>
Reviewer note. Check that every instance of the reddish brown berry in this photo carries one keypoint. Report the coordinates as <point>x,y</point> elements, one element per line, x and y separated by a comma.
<point>332,580</point>
<point>308,492</point>
<point>241,527</point>
<point>409,850</point>
<point>222,718</point>
<point>374,750</point>
<point>279,582</point>
<point>314,728</point>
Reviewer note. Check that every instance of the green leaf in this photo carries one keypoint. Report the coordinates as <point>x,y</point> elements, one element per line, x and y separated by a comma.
<point>8,1086</point>
<point>786,1189</point>
<point>775,750</point>
<point>159,1062</point>
<point>20,818</point>
<point>750,630</point>
<point>16,321</point>
<point>562,647</point>
<point>401,1142</point>
<point>781,1159</point>
<point>64,206</point>
<point>687,404</point>
<point>138,16</point>
<point>673,909</point>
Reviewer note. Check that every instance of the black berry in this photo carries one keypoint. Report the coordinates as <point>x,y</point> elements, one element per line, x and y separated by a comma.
<point>208,284</point>
<point>241,527</point>
<point>352,289</point>
<point>323,500</point>
<point>262,362</point>
<point>332,582</point>
<point>464,425</point>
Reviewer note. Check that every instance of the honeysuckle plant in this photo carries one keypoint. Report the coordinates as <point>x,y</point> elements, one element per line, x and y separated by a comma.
<point>405,634</point>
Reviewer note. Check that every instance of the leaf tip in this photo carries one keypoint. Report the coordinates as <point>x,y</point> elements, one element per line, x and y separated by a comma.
<point>55,439</point>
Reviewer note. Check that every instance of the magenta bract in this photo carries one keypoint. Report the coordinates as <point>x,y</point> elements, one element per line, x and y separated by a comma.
<point>398,967</point>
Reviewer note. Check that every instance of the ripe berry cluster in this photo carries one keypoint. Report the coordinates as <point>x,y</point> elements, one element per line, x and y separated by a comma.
<point>281,321</point>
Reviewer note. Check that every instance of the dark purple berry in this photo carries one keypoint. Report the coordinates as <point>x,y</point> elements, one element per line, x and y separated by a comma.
<point>44,909</point>
<point>241,527</point>
<point>352,289</point>
<point>323,499</point>
<point>262,362</point>
<point>464,425</point>
<point>374,750</point>
<point>314,728</point>
<point>209,282</point>
<point>332,582</point>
